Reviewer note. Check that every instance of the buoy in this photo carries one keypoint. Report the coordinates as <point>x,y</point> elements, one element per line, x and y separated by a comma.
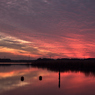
<point>40,78</point>
<point>22,78</point>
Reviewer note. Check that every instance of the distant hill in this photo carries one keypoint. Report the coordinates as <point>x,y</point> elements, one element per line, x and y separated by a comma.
<point>5,60</point>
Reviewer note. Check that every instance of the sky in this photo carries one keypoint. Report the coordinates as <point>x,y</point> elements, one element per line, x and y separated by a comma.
<point>31,29</point>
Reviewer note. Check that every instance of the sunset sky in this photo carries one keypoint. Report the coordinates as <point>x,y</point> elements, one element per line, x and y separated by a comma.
<point>47,28</point>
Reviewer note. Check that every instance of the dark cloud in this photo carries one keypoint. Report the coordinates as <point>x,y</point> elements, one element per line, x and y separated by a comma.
<point>18,44</point>
<point>43,17</point>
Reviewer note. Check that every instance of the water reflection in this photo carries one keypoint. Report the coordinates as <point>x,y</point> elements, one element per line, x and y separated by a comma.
<point>40,78</point>
<point>59,79</point>
<point>16,80</point>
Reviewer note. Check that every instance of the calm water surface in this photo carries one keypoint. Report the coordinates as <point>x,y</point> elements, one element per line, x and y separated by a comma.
<point>52,83</point>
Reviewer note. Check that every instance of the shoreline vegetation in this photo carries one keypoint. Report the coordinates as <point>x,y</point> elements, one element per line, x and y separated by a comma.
<point>47,59</point>
<point>86,66</point>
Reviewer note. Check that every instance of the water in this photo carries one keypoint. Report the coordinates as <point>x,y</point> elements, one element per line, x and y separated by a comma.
<point>52,83</point>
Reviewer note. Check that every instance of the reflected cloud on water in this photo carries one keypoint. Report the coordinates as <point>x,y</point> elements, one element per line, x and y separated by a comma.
<point>38,80</point>
<point>11,78</point>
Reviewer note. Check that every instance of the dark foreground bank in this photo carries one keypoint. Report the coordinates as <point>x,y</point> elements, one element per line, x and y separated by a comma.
<point>86,66</point>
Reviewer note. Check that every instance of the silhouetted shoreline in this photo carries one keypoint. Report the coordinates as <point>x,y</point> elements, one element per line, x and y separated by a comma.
<point>9,60</point>
<point>86,66</point>
<point>47,60</point>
